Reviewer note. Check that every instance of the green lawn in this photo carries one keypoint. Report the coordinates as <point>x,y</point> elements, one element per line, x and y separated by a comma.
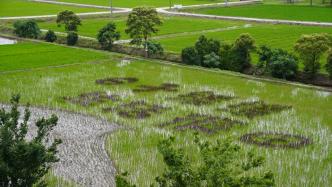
<point>284,12</point>
<point>171,25</point>
<point>10,8</point>
<point>133,148</point>
<point>135,3</point>
<point>28,55</point>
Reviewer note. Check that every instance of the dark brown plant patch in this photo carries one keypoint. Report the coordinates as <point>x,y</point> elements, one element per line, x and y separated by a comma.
<point>136,110</point>
<point>202,98</point>
<point>203,123</point>
<point>253,109</point>
<point>168,87</point>
<point>276,140</point>
<point>116,80</point>
<point>87,99</point>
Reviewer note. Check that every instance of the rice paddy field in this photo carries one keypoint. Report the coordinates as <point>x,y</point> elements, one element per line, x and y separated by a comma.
<point>151,94</point>
<point>290,124</point>
<point>135,3</point>
<point>10,8</point>
<point>273,11</point>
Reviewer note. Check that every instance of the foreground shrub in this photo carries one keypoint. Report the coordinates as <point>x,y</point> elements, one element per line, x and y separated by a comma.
<point>190,56</point>
<point>24,161</point>
<point>107,35</point>
<point>328,65</point>
<point>220,164</point>
<point>72,38</point>
<point>310,49</point>
<point>154,48</point>
<point>26,29</point>
<point>50,36</point>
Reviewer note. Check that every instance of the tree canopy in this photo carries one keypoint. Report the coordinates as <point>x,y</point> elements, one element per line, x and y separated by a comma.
<point>24,162</point>
<point>69,19</point>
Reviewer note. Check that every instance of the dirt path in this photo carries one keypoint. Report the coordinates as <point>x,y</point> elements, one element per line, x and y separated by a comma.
<point>83,158</point>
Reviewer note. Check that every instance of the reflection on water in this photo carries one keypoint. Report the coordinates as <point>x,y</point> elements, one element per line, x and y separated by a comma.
<point>6,41</point>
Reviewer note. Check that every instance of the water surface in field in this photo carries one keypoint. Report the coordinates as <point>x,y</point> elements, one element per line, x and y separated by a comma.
<point>6,41</point>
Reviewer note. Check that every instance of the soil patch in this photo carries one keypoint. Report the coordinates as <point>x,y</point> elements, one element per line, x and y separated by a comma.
<point>278,140</point>
<point>168,87</point>
<point>202,98</point>
<point>88,99</point>
<point>256,108</point>
<point>116,80</point>
<point>137,110</point>
<point>203,123</point>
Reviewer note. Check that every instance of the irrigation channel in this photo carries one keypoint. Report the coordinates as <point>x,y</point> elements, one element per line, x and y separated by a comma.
<point>83,157</point>
<point>6,41</point>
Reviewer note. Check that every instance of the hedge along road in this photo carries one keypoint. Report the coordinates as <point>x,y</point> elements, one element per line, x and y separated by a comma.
<point>83,157</point>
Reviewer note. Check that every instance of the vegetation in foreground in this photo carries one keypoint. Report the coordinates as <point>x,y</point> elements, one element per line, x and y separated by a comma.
<point>25,162</point>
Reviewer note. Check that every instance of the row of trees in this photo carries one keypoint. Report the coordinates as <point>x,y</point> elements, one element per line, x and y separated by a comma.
<point>277,62</point>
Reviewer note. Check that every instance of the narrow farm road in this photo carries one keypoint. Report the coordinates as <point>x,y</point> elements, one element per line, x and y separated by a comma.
<point>83,158</point>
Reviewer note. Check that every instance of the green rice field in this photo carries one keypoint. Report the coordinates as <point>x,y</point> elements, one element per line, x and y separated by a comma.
<point>10,8</point>
<point>135,3</point>
<point>133,148</point>
<point>269,11</point>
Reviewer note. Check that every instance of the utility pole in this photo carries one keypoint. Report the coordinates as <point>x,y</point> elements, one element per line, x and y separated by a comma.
<point>170,4</point>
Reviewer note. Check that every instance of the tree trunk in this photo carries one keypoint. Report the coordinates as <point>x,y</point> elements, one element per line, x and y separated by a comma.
<point>146,47</point>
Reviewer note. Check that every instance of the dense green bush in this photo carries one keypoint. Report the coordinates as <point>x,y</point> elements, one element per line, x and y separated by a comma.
<point>50,36</point>
<point>72,38</point>
<point>107,35</point>
<point>283,65</point>
<point>154,48</point>
<point>26,29</point>
<point>190,56</point>
<point>328,65</point>
<point>277,62</point>
<point>206,46</point>
<point>211,60</point>
<point>241,49</point>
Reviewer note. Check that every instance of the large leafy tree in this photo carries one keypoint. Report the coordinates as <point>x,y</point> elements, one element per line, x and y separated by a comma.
<point>241,49</point>
<point>69,19</point>
<point>310,49</point>
<point>221,164</point>
<point>141,24</point>
<point>24,161</point>
<point>107,35</point>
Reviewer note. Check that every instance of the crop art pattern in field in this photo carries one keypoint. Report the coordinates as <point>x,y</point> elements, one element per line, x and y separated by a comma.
<point>276,140</point>
<point>137,109</point>
<point>254,108</point>
<point>91,98</point>
<point>203,123</point>
<point>168,87</point>
<point>202,98</point>
<point>116,80</point>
